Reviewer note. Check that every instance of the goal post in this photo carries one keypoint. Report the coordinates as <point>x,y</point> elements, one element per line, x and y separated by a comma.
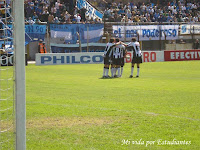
<point>20,96</point>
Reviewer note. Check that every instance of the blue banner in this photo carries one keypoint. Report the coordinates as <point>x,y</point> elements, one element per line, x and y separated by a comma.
<point>91,11</point>
<point>32,33</point>
<point>72,32</point>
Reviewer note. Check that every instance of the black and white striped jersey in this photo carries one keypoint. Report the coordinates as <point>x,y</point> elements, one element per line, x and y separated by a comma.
<point>118,51</point>
<point>135,47</point>
<point>108,47</point>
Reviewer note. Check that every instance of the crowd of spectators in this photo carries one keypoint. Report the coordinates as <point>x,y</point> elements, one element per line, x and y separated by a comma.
<point>166,11</point>
<point>65,11</point>
<point>56,11</point>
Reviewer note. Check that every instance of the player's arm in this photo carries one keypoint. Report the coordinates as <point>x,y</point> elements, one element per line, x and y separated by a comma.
<point>124,44</point>
<point>125,53</point>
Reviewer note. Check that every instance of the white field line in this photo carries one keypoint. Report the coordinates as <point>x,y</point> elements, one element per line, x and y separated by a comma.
<point>100,108</point>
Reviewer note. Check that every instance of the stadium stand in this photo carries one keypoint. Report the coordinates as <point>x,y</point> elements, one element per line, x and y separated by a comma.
<point>60,11</point>
<point>165,11</point>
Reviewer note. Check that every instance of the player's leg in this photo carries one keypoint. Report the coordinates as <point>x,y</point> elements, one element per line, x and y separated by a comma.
<point>132,69</point>
<point>122,69</point>
<point>109,66</point>
<point>115,70</point>
<point>112,68</point>
<point>107,70</point>
<point>122,65</point>
<point>118,67</point>
<point>118,71</point>
<point>138,70</point>
<point>138,66</point>
<point>104,69</point>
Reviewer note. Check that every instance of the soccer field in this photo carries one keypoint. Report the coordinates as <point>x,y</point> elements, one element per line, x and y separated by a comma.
<point>70,107</point>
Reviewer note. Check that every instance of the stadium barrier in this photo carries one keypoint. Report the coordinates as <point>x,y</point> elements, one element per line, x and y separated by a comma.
<point>97,57</point>
<point>90,58</point>
<point>182,55</point>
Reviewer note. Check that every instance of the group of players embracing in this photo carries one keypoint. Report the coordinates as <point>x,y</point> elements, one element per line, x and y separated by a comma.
<point>114,55</point>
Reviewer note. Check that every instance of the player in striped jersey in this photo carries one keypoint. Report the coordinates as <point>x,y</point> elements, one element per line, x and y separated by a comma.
<point>137,56</point>
<point>123,55</point>
<point>107,58</point>
<point>116,54</point>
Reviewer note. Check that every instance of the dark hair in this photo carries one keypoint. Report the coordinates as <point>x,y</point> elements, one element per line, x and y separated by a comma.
<point>134,39</point>
<point>112,40</point>
<point>117,40</point>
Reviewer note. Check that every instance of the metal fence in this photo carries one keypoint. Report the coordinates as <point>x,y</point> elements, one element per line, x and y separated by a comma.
<point>69,38</point>
<point>155,36</point>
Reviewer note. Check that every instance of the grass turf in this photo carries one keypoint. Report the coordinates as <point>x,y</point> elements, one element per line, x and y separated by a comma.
<point>71,107</point>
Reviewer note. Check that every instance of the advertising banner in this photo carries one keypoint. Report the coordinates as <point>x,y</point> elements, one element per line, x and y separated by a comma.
<point>146,32</point>
<point>190,29</point>
<point>90,58</point>
<point>8,59</point>
<point>72,58</point>
<point>71,32</point>
<point>147,56</point>
<point>182,55</point>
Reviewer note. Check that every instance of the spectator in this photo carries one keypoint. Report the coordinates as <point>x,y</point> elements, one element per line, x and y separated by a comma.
<point>182,41</point>
<point>30,21</point>
<point>37,21</point>
<point>56,20</point>
<point>34,16</point>
<point>50,18</point>
<point>53,10</point>
<point>45,15</point>
<point>2,49</point>
<point>29,11</point>
<point>62,18</point>
<point>78,18</point>
<point>196,44</point>
<point>67,17</point>
<point>38,11</point>
<point>82,13</point>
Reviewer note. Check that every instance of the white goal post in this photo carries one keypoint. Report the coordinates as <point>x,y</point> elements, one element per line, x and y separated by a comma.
<point>20,96</point>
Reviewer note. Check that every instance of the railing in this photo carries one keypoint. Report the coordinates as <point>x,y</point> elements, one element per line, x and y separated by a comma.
<point>155,35</point>
<point>68,38</point>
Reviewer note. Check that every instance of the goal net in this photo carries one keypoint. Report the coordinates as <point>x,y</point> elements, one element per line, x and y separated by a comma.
<point>7,111</point>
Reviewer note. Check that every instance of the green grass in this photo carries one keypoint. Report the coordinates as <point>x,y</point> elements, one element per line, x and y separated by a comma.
<point>70,108</point>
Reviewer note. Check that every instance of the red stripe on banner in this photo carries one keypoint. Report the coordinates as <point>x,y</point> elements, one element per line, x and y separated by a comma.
<point>181,55</point>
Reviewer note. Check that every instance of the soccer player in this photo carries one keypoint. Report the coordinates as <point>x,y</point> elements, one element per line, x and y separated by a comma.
<point>123,55</point>
<point>137,56</point>
<point>109,45</point>
<point>117,53</point>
